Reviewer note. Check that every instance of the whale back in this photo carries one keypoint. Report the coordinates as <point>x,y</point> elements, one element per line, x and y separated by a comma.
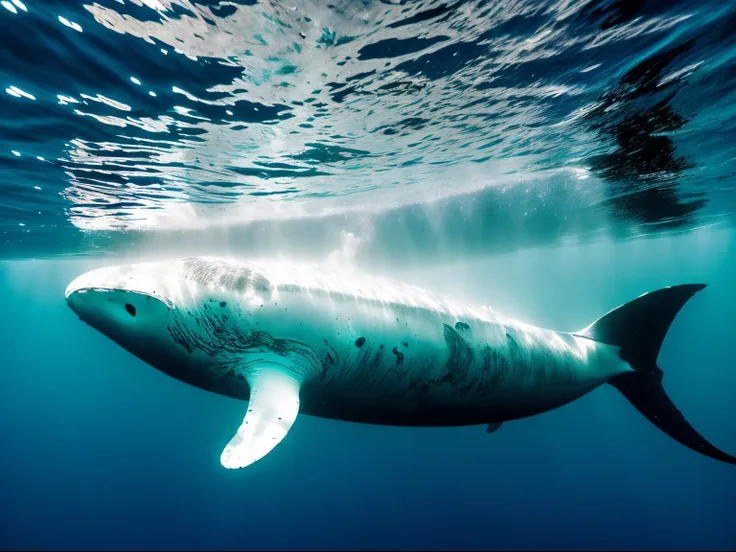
<point>230,276</point>
<point>273,277</point>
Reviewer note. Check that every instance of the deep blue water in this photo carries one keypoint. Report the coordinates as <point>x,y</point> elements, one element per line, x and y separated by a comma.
<point>553,159</point>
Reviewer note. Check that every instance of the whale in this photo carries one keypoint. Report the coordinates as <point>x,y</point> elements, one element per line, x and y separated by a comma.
<point>290,338</point>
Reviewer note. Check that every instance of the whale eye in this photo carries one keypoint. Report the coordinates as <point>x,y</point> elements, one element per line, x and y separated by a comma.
<point>130,308</point>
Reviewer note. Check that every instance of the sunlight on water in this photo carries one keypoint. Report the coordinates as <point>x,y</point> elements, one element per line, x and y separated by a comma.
<point>179,115</point>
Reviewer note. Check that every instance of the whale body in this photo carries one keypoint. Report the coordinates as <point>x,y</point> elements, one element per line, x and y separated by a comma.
<point>292,338</point>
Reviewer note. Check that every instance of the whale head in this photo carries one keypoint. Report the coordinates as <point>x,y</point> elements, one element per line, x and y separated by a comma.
<point>128,304</point>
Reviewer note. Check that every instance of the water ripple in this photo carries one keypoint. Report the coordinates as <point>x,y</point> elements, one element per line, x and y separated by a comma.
<point>183,114</point>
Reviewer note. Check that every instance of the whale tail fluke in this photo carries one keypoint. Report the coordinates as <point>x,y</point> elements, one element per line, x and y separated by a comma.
<point>639,328</point>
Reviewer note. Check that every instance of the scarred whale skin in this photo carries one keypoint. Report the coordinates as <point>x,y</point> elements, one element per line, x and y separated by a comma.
<point>364,349</point>
<point>339,344</point>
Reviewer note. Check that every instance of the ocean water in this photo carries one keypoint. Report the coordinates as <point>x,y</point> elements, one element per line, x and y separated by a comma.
<point>553,159</point>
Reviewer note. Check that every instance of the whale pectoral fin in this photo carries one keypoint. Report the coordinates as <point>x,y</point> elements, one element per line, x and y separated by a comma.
<point>492,428</point>
<point>272,409</point>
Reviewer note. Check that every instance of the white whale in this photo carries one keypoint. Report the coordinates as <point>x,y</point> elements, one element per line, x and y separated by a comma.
<point>335,344</point>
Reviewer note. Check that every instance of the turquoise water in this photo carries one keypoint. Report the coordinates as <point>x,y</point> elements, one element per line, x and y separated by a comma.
<point>101,450</point>
<point>552,159</point>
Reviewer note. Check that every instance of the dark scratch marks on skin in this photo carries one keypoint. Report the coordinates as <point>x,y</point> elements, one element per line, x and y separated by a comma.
<point>211,334</point>
<point>345,367</point>
<point>500,367</point>
<point>456,370</point>
<point>183,342</point>
<point>487,370</point>
<point>405,344</point>
<point>329,361</point>
<point>514,352</point>
<point>399,356</point>
<point>368,363</point>
<point>461,356</point>
<point>420,386</point>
